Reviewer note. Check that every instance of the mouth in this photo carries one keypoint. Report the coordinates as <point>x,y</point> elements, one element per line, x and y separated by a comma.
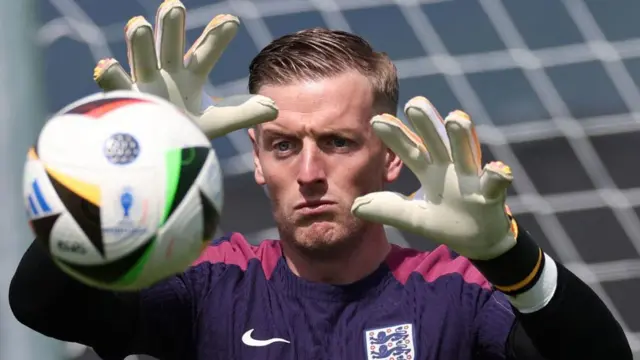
<point>312,207</point>
<point>313,204</point>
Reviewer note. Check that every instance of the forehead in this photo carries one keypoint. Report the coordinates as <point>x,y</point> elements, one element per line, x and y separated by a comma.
<point>342,101</point>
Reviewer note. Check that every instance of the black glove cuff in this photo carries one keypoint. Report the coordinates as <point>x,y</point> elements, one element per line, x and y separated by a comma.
<point>517,270</point>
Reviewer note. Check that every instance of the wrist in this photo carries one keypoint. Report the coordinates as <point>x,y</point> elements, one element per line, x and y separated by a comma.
<point>524,273</point>
<point>516,270</point>
<point>540,294</point>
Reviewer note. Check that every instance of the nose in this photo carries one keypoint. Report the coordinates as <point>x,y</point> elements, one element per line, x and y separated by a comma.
<point>312,167</point>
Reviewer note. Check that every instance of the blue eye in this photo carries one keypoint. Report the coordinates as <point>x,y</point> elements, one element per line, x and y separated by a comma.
<point>339,142</point>
<point>283,146</point>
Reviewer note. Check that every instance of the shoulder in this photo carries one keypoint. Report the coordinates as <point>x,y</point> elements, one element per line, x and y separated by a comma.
<point>234,249</point>
<point>443,278</point>
<point>431,266</point>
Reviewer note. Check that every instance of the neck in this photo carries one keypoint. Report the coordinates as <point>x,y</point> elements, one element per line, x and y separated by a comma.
<point>352,265</point>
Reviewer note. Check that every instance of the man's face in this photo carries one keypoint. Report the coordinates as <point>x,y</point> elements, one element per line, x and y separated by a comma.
<point>317,157</point>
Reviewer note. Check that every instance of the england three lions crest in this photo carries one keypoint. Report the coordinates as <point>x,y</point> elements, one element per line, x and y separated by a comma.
<point>390,343</point>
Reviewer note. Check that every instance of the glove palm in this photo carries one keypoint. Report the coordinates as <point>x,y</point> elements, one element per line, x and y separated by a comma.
<point>159,67</point>
<point>458,205</point>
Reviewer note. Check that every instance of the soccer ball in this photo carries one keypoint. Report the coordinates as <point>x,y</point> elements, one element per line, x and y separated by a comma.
<point>122,189</point>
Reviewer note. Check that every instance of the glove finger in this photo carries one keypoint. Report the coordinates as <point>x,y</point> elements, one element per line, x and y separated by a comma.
<point>170,34</point>
<point>141,50</point>
<point>428,124</point>
<point>390,208</point>
<point>465,147</point>
<point>206,51</point>
<point>495,180</point>
<point>403,142</point>
<point>237,113</point>
<point>110,76</point>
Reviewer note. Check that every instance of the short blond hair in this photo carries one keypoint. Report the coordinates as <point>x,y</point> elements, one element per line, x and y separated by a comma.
<point>319,53</point>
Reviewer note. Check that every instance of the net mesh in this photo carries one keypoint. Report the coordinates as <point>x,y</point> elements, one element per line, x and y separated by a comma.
<point>552,85</point>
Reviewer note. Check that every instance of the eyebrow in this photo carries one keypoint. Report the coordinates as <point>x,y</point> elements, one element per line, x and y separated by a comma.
<point>345,132</point>
<point>350,133</point>
<point>271,132</point>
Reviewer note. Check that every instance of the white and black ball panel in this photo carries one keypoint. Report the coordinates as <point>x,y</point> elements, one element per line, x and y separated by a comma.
<point>178,242</point>
<point>39,196</point>
<point>130,210</point>
<point>119,274</point>
<point>188,174</point>
<point>193,220</point>
<point>48,217</point>
<point>69,243</point>
<point>211,182</point>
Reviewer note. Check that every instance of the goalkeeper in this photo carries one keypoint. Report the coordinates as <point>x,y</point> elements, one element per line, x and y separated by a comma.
<point>333,287</point>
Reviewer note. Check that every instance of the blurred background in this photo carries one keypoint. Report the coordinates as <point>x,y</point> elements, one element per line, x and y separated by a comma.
<point>554,87</point>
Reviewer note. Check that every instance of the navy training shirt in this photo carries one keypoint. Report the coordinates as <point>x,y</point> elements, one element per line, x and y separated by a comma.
<point>241,301</point>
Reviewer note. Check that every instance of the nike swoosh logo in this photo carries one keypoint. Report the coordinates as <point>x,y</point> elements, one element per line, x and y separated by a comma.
<point>249,341</point>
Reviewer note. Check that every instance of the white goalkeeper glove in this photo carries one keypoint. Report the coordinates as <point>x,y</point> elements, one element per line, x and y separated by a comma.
<point>459,204</point>
<point>159,67</point>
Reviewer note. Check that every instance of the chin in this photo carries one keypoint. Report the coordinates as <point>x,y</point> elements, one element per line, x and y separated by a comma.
<point>319,233</point>
<point>327,239</point>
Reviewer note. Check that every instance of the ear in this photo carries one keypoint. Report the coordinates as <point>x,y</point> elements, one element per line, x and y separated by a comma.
<point>257,172</point>
<point>393,166</point>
